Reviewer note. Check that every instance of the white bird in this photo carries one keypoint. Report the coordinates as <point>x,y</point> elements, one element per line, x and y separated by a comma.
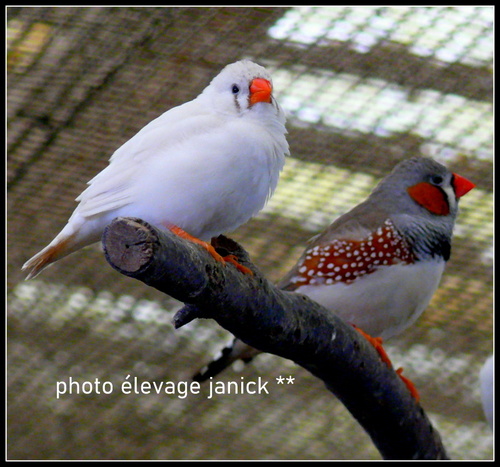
<point>486,378</point>
<point>204,167</point>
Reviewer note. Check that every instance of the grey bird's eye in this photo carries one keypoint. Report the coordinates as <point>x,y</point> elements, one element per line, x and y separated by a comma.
<point>436,179</point>
<point>235,89</point>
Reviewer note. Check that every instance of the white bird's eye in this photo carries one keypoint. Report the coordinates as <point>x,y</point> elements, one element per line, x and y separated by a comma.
<point>235,89</point>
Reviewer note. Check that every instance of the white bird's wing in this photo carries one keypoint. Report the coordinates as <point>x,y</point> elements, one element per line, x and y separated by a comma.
<point>113,187</point>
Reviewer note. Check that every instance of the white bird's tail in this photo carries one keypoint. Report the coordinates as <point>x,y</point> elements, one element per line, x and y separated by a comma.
<point>60,247</point>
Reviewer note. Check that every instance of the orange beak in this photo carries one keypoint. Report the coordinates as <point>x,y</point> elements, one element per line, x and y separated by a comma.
<point>462,185</point>
<point>260,91</point>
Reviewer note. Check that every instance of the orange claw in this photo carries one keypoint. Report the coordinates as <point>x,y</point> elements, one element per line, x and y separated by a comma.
<point>409,384</point>
<point>229,259</point>
<point>233,260</point>
<point>377,343</point>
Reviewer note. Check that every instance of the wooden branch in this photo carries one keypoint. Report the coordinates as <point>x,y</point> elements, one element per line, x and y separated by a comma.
<point>283,323</point>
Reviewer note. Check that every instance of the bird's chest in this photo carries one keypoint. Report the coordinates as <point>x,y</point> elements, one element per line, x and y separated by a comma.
<point>385,302</point>
<point>376,283</point>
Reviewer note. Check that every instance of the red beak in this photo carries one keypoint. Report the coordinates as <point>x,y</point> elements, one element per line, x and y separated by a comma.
<point>260,91</point>
<point>461,185</point>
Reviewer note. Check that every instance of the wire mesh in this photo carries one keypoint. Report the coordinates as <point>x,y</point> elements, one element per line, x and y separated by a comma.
<point>363,88</point>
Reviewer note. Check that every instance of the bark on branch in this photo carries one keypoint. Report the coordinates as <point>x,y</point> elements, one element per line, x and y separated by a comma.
<point>283,323</point>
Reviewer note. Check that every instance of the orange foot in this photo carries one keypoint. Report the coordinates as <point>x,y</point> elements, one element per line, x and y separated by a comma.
<point>409,384</point>
<point>227,259</point>
<point>377,343</point>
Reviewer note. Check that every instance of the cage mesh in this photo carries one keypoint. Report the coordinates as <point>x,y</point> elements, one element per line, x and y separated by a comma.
<point>363,88</point>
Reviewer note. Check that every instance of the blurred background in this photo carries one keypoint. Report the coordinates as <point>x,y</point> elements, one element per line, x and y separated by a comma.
<point>364,88</point>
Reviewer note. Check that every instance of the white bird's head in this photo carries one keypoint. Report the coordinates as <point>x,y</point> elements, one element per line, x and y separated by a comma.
<point>242,87</point>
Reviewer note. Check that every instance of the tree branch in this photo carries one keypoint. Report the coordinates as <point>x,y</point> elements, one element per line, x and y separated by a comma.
<point>283,323</point>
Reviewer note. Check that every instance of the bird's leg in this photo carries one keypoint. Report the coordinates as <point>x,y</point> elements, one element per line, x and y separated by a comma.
<point>183,234</point>
<point>234,261</point>
<point>409,384</point>
<point>377,343</point>
<point>227,259</point>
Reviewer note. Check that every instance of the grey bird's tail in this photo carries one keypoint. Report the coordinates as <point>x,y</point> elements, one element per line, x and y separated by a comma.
<point>236,350</point>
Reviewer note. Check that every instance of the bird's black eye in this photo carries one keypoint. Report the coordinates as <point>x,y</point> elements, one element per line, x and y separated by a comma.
<point>235,89</point>
<point>436,179</point>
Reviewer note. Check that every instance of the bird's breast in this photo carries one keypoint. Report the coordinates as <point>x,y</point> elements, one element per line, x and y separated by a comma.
<point>382,303</point>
